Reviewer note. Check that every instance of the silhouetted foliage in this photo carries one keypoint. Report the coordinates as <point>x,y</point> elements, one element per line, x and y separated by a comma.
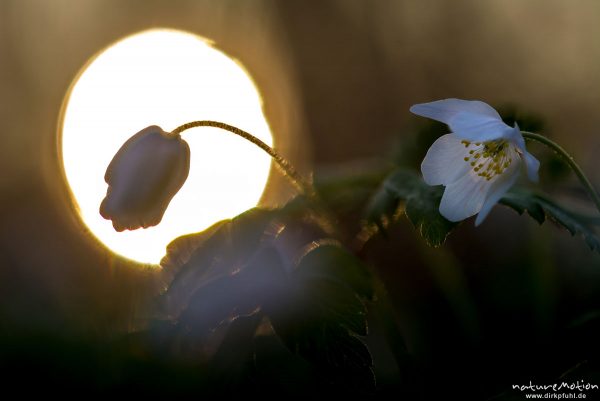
<point>282,272</point>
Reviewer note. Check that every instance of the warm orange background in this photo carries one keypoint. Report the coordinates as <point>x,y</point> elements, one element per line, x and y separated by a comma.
<point>338,76</point>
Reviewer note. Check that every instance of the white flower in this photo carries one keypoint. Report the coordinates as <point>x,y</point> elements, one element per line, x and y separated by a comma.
<point>477,162</point>
<point>143,177</point>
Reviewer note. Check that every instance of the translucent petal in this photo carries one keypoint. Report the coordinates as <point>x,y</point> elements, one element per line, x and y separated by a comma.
<point>478,128</point>
<point>444,162</point>
<point>134,142</point>
<point>445,110</point>
<point>143,177</point>
<point>500,185</point>
<point>516,138</point>
<point>532,165</point>
<point>465,197</point>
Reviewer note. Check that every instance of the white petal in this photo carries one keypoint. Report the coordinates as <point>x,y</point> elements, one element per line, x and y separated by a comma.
<point>500,185</point>
<point>464,198</point>
<point>444,162</point>
<point>477,128</point>
<point>516,138</point>
<point>445,110</point>
<point>472,120</point>
<point>532,165</point>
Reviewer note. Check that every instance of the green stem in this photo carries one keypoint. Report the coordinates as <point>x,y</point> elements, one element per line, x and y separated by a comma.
<point>305,187</point>
<point>569,160</point>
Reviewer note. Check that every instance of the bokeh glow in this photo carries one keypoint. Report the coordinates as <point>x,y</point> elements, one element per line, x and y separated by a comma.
<point>166,78</point>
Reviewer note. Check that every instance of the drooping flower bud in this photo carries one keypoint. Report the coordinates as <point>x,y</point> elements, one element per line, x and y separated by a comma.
<point>143,177</point>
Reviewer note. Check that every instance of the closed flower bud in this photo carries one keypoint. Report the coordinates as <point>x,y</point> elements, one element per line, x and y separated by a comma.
<point>143,177</point>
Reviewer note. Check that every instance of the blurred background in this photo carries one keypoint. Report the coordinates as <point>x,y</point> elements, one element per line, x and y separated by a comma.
<point>337,79</point>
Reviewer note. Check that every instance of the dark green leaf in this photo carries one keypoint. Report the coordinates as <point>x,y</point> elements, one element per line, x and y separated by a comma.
<point>382,208</point>
<point>421,205</point>
<point>219,251</point>
<point>337,304</point>
<point>423,211</point>
<point>229,365</point>
<point>332,262</point>
<point>540,208</point>
<point>521,203</point>
<point>322,314</point>
<point>315,305</point>
<point>338,356</point>
<point>228,297</point>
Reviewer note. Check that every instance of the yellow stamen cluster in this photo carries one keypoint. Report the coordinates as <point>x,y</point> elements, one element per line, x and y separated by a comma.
<point>488,159</point>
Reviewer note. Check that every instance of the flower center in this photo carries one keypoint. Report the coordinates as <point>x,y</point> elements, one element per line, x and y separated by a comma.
<point>488,159</point>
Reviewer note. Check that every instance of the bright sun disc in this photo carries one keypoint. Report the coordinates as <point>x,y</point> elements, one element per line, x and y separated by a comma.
<point>165,78</point>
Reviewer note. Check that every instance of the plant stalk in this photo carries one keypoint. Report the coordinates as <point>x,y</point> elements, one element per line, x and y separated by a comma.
<point>569,160</point>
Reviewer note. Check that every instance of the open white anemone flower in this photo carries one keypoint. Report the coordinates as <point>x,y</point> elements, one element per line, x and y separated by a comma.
<point>478,161</point>
<point>143,177</point>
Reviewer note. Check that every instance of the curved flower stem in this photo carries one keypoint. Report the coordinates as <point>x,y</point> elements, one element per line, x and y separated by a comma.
<point>570,161</point>
<point>304,186</point>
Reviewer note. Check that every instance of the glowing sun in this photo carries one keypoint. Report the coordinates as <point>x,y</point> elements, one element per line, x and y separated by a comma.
<point>165,78</point>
